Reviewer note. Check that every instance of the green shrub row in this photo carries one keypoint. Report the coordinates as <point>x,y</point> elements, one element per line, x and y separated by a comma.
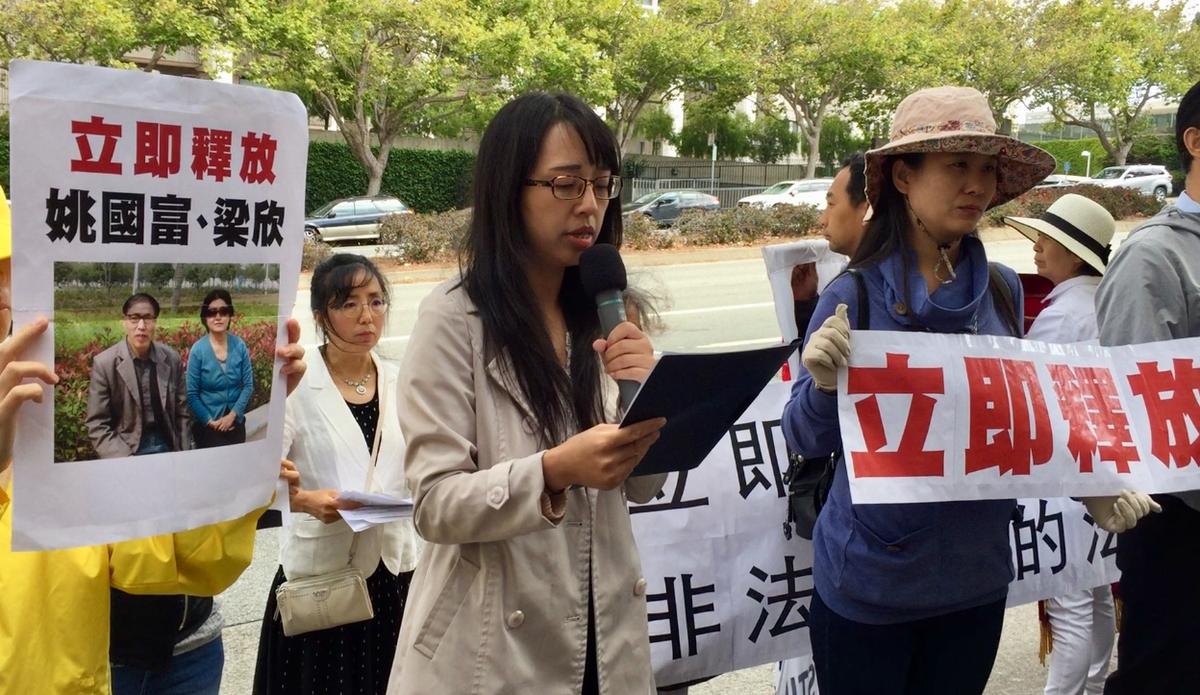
<point>426,180</point>
<point>1120,202</point>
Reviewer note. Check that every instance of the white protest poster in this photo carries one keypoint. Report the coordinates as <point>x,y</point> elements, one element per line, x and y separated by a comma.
<point>135,196</point>
<point>782,261</point>
<point>725,589</point>
<point>929,417</point>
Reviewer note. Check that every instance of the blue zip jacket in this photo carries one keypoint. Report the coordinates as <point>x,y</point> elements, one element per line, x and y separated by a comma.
<point>211,391</point>
<point>891,563</point>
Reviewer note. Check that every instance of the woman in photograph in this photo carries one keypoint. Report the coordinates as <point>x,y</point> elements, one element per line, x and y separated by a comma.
<point>220,380</point>
<point>343,434</point>
<point>531,581</point>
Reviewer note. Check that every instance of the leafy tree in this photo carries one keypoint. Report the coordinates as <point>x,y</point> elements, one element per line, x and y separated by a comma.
<point>656,125</point>
<point>732,132</point>
<point>1130,55</point>
<point>691,47</point>
<point>75,31</point>
<point>816,54</point>
<point>838,141</point>
<point>772,138</point>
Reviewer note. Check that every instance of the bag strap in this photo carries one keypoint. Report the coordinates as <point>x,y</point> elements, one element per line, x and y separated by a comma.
<point>378,431</point>
<point>1002,298</point>
<point>863,318</point>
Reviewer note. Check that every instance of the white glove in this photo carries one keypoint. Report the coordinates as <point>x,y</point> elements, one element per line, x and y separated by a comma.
<point>828,348</point>
<point>1119,513</point>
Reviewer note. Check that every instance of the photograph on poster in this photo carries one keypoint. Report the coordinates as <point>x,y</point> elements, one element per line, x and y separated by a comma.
<point>161,357</point>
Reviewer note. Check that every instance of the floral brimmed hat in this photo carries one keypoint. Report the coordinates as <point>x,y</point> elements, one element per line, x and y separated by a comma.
<point>958,119</point>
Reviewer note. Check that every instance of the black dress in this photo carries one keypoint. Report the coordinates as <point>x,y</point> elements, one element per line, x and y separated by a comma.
<point>354,659</point>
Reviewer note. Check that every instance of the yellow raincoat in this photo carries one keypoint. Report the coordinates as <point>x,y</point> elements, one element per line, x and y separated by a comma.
<point>54,604</point>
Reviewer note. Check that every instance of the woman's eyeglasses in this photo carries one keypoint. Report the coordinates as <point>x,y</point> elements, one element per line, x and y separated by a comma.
<point>354,308</point>
<point>222,311</point>
<point>569,187</point>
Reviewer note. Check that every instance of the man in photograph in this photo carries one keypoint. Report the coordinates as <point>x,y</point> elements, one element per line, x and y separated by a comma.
<point>137,397</point>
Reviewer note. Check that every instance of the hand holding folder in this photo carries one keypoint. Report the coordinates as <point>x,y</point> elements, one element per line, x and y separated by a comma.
<point>701,396</point>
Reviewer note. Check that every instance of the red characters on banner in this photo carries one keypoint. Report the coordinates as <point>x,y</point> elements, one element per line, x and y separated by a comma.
<point>910,459</point>
<point>1171,403</point>
<point>1009,425</point>
<point>157,149</point>
<point>1099,426</point>
<point>258,158</point>
<point>211,153</point>
<point>108,133</point>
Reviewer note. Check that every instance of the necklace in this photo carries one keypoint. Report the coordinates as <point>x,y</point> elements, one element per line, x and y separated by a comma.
<point>360,386</point>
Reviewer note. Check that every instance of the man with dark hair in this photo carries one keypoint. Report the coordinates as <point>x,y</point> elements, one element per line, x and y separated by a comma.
<point>841,223</point>
<point>1152,292</point>
<point>137,396</point>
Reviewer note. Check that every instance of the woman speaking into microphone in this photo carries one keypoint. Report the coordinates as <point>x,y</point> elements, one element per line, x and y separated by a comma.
<point>531,581</point>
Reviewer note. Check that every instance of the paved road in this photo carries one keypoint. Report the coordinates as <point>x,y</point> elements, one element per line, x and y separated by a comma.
<point>706,305</point>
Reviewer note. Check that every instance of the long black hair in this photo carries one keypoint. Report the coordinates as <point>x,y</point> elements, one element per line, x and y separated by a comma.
<point>497,252</point>
<point>887,230</point>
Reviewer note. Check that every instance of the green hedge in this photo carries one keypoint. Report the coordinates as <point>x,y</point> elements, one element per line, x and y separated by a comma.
<point>426,180</point>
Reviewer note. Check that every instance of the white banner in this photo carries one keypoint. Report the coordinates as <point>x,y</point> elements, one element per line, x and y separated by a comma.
<point>128,183</point>
<point>929,417</point>
<point>727,590</point>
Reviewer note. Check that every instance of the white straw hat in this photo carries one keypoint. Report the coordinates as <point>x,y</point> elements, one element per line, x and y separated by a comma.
<point>1080,224</point>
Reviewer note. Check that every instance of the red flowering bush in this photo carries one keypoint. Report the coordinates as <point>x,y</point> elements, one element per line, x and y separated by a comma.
<point>1120,202</point>
<point>74,368</point>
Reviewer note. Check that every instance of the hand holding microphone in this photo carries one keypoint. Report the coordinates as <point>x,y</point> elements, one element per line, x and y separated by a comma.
<point>626,351</point>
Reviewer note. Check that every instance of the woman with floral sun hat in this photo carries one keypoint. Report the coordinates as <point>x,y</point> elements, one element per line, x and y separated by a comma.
<point>909,598</point>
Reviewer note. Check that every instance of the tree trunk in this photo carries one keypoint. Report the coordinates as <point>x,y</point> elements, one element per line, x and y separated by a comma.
<point>813,135</point>
<point>1121,153</point>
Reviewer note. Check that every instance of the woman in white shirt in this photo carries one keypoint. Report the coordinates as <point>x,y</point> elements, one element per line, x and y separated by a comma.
<point>1071,246</point>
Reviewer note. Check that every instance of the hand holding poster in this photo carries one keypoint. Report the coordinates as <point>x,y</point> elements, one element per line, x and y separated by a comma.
<point>119,178</point>
<point>929,417</point>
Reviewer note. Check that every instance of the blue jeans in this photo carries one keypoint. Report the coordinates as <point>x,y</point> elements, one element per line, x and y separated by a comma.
<point>152,443</point>
<point>197,672</point>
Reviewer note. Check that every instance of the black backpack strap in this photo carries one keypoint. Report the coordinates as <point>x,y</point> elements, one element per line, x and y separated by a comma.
<point>1002,299</point>
<point>863,318</point>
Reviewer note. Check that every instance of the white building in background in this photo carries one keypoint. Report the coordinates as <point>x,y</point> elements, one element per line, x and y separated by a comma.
<point>1037,125</point>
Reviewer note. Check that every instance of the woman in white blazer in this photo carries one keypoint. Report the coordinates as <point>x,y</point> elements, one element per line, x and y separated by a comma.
<point>342,433</point>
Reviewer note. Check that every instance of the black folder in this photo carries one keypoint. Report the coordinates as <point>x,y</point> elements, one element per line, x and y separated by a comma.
<point>701,396</point>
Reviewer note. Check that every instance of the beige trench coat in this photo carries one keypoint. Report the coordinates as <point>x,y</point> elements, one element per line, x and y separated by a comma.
<point>499,601</point>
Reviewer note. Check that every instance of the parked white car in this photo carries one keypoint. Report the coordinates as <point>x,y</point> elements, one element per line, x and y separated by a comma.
<point>803,192</point>
<point>1150,179</point>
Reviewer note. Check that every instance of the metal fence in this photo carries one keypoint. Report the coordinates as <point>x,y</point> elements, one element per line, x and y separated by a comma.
<point>728,195</point>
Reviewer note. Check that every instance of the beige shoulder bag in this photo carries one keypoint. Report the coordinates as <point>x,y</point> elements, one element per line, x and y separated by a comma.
<point>340,597</point>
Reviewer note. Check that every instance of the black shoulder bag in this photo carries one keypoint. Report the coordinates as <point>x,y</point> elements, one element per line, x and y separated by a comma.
<point>808,480</point>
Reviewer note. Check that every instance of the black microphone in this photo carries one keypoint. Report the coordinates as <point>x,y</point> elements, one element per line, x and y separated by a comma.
<point>602,273</point>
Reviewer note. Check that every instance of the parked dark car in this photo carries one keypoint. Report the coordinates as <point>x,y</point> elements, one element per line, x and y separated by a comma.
<point>352,218</point>
<point>664,207</point>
